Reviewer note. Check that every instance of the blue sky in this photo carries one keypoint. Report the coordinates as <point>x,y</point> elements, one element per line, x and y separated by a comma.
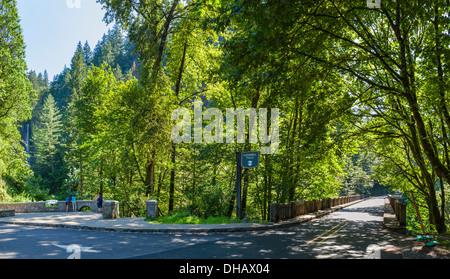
<point>53,28</point>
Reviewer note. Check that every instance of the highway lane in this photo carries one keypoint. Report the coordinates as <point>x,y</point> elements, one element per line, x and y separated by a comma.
<point>352,233</point>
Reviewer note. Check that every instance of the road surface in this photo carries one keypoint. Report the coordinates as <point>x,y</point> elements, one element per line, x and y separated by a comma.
<point>351,233</point>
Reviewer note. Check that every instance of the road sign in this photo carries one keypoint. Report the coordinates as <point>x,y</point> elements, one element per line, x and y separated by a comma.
<point>244,160</point>
<point>250,160</point>
<point>238,184</point>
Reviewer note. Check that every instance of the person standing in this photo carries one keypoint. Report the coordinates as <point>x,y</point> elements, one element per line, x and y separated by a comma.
<point>74,203</point>
<point>68,199</point>
<point>99,202</point>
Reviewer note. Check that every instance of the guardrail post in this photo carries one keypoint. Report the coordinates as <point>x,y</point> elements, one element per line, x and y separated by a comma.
<point>274,217</point>
<point>152,209</point>
<point>110,210</point>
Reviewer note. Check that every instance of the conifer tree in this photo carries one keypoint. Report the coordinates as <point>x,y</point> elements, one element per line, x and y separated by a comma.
<point>46,144</point>
<point>78,71</point>
<point>87,53</point>
<point>73,138</point>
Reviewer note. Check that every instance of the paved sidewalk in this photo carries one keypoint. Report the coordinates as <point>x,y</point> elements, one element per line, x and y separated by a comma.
<point>95,221</point>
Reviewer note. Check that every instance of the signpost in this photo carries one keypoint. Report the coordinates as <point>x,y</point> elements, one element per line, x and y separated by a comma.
<point>250,160</point>
<point>238,184</point>
<point>244,160</point>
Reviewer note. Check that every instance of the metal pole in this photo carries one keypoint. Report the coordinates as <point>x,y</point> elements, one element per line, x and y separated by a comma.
<point>238,184</point>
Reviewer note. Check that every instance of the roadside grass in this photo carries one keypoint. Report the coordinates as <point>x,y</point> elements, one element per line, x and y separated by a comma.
<point>186,218</point>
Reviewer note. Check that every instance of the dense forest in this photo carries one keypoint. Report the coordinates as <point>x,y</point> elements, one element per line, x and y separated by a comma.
<point>361,91</point>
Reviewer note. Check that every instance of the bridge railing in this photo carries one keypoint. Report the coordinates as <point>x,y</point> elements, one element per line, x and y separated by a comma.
<point>399,210</point>
<point>32,207</point>
<point>110,208</point>
<point>284,211</point>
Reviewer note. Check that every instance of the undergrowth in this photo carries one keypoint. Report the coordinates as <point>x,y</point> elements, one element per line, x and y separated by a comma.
<point>187,218</point>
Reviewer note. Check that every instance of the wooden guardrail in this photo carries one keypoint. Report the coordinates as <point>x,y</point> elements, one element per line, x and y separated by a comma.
<point>284,211</point>
<point>399,210</point>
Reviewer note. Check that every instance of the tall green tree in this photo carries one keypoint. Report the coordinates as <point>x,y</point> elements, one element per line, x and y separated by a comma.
<point>342,75</point>
<point>16,93</point>
<point>87,53</point>
<point>73,138</point>
<point>47,149</point>
<point>167,37</point>
<point>264,70</point>
<point>78,70</point>
<point>392,58</point>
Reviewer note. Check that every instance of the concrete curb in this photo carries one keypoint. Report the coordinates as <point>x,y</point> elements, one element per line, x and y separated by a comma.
<point>122,225</point>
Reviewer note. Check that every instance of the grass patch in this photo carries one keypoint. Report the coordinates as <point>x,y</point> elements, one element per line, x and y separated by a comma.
<point>186,218</point>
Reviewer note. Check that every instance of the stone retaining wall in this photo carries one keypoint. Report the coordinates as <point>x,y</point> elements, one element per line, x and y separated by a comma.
<point>110,208</point>
<point>26,207</point>
<point>6,213</point>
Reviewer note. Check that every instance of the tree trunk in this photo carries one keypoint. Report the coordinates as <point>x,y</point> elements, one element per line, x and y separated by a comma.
<point>172,171</point>
<point>100,174</point>
<point>172,179</point>
<point>180,73</point>
<point>247,148</point>
<point>150,175</point>
<point>162,44</point>
<point>81,179</point>
<point>232,199</point>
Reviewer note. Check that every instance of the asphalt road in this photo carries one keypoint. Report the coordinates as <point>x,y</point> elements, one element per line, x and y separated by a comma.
<point>352,233</point>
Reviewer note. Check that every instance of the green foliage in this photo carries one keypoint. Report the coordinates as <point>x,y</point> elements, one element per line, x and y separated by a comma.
<point>187,218</point>
<point>412,224</point>
<point>361,173</point>
<point>47,149</point>
<point>16,95</point>
<point>362,94</point>
<point>37,189</point>
<point>22,197</point>
<point>3,191</point>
